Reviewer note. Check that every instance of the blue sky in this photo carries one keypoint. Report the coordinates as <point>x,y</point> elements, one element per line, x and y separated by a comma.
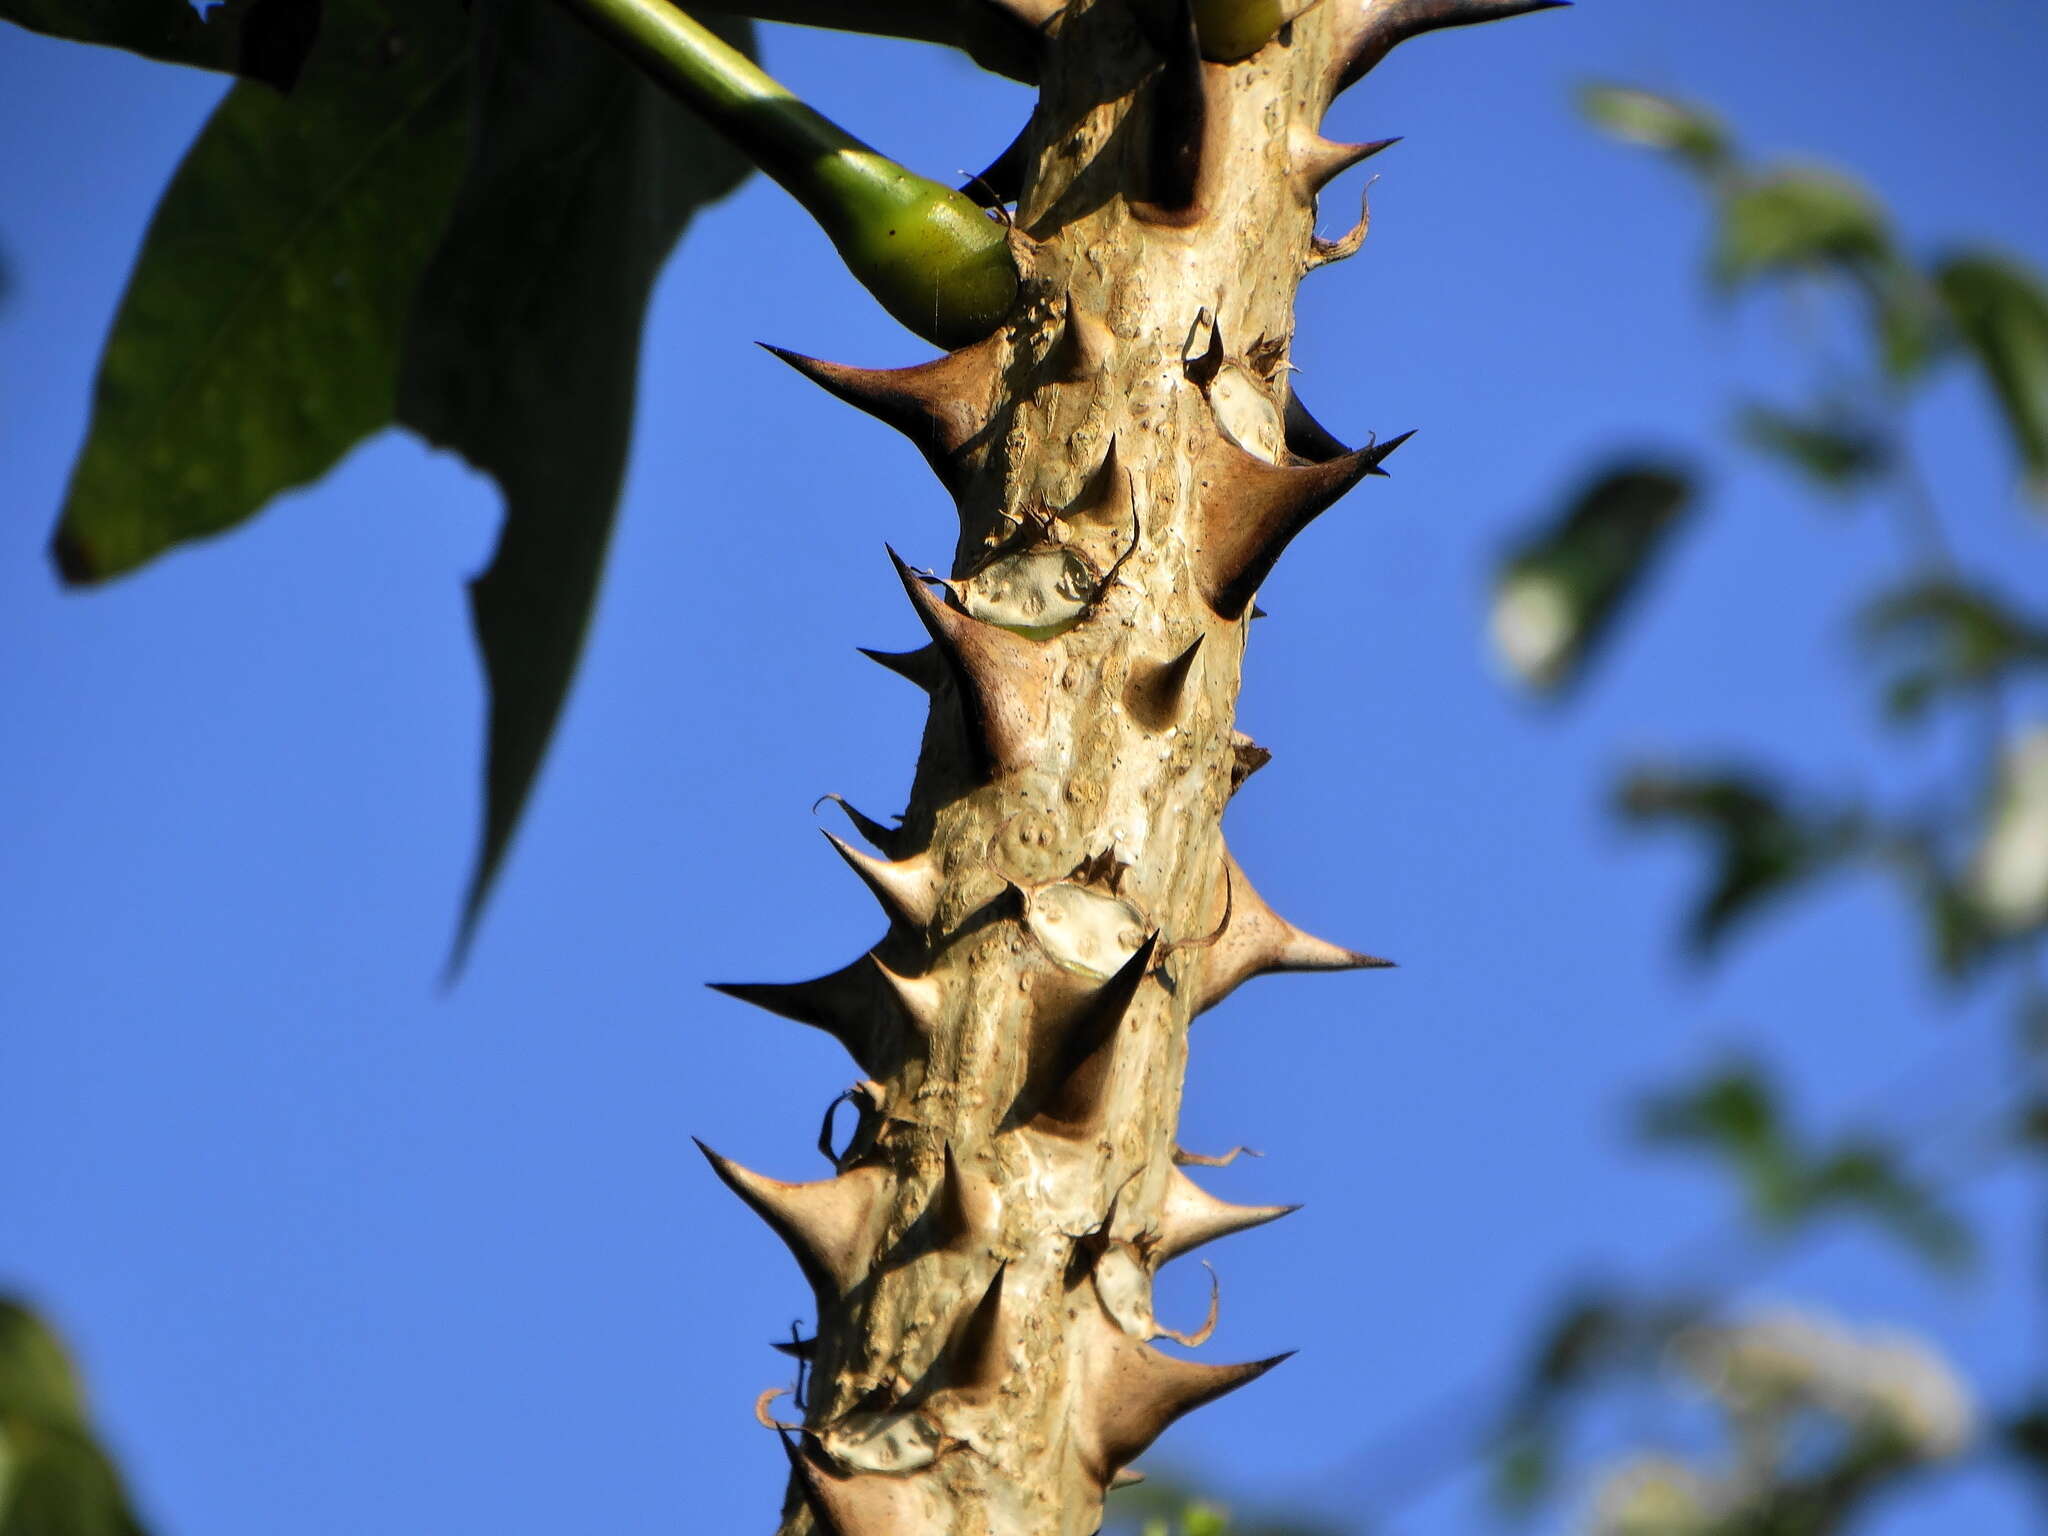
<point>343,1253</point>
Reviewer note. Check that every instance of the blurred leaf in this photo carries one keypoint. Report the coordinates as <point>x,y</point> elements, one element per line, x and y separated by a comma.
<point>1761,849</point>
<point>2025,1435</point>
<point>523,353</point>
<point>2000,309</point>
<point>1862,1177</point>
<point>1556,597</point>
<point>265,40</point>
<point>1689,133</point>
<point>1831,446</point>
<point>1523,1470</point>
<point>54,1480</point>
<point>1944,637</point>
<point>1734,1113</point>
<point>1810,219</point>
<point>258,339</point>
<point>1797,218</point>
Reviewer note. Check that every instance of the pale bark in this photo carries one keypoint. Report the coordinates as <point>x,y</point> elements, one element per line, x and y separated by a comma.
<point>984,1260</point>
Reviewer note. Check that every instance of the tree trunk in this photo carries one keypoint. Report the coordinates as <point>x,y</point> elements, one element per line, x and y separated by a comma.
<point>1127,463</point>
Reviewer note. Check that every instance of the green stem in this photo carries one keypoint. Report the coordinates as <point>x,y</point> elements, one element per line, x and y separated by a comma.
<point>933,259</point>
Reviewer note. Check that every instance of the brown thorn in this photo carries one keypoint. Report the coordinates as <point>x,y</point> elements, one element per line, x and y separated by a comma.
<point>1087,1053</point>
<point>1322,252</point>
<point>1251,510</point>
<point>886,839</point>
<point>762,1416</point>
<point>1384,27</point>
<point>1185,1159</point>
<point>1003,678</point>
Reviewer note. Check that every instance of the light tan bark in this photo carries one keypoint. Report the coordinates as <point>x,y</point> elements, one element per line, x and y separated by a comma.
<point>1061,901</point>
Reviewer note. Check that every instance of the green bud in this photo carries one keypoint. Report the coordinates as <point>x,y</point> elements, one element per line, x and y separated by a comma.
<point>1236,29</point>
<point>937,263</point>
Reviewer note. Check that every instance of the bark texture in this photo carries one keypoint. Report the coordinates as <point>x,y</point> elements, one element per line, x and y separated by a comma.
<point>1128,463</point>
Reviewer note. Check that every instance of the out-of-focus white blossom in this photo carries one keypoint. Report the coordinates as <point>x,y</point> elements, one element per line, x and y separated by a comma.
<point>1654,1496</point>
<point>2009,875</point>
<point>1535,623</point>
<point>1781,1360</point>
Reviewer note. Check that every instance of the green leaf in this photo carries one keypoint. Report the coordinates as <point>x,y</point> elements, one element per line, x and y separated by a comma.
<point>2025,1436</point>
<point>258,339</point>
<point>1789,220</point>
<point>265,40</point>
<point>54,1478</point>
<point>2000,309</point>
<point>1941,638</point>
<point>524,347</point>
<point>1863,1177</point>
<point>37,1379</point>
<point>1734,1113</point>
<point>1557,595</point>
<point>1689,133</point>
<point>1832,446</point>
<point>1761,848</point>
<point>1796,218</point>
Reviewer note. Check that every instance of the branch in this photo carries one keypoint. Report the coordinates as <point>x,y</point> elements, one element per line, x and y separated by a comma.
<point>1000,35</point>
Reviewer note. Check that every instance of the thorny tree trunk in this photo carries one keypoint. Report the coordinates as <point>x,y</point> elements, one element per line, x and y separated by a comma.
<point>1128,463</point>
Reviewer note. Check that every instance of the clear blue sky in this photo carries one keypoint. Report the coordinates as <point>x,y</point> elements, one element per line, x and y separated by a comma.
<point>344,1255</point>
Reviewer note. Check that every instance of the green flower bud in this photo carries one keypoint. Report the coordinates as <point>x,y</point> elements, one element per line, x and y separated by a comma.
<point>936,262</point>
<point>1236,29</point>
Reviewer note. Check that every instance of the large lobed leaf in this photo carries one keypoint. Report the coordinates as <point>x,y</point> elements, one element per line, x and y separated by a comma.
<point>259,337</point>
<point>525,343</point>
<point>452,223</point>
<point>54,1478</point>
<point>265,40</point>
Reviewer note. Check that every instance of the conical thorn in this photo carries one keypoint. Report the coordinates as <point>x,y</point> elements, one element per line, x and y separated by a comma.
<point>924,667</point>
<point>1258,941</point>
<point>1075,1104</point>
<point>1247,757</point>
<point>1190,1216</point>
<point>1375,31</point>
<point>1158,695</point>
<point>1315,161</point>
<point>966,1207</point>
<point>979,1360</point>
<point>866,1504</point>
<point>920,999</point>
<point>942,406</point>
<point>827,1226</point>
<point>1004,680</point>
<point>1132,1392</point>
<point>1082,349</point>
<point>1251,510</point>
<point>888,839</point>
<point>908,889</point>
<point>841,1004</point>
<point>1104,493</point>
<point>1306,437</point>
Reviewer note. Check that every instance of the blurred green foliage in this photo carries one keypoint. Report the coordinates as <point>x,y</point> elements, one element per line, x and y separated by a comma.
<point>54,1478</point>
